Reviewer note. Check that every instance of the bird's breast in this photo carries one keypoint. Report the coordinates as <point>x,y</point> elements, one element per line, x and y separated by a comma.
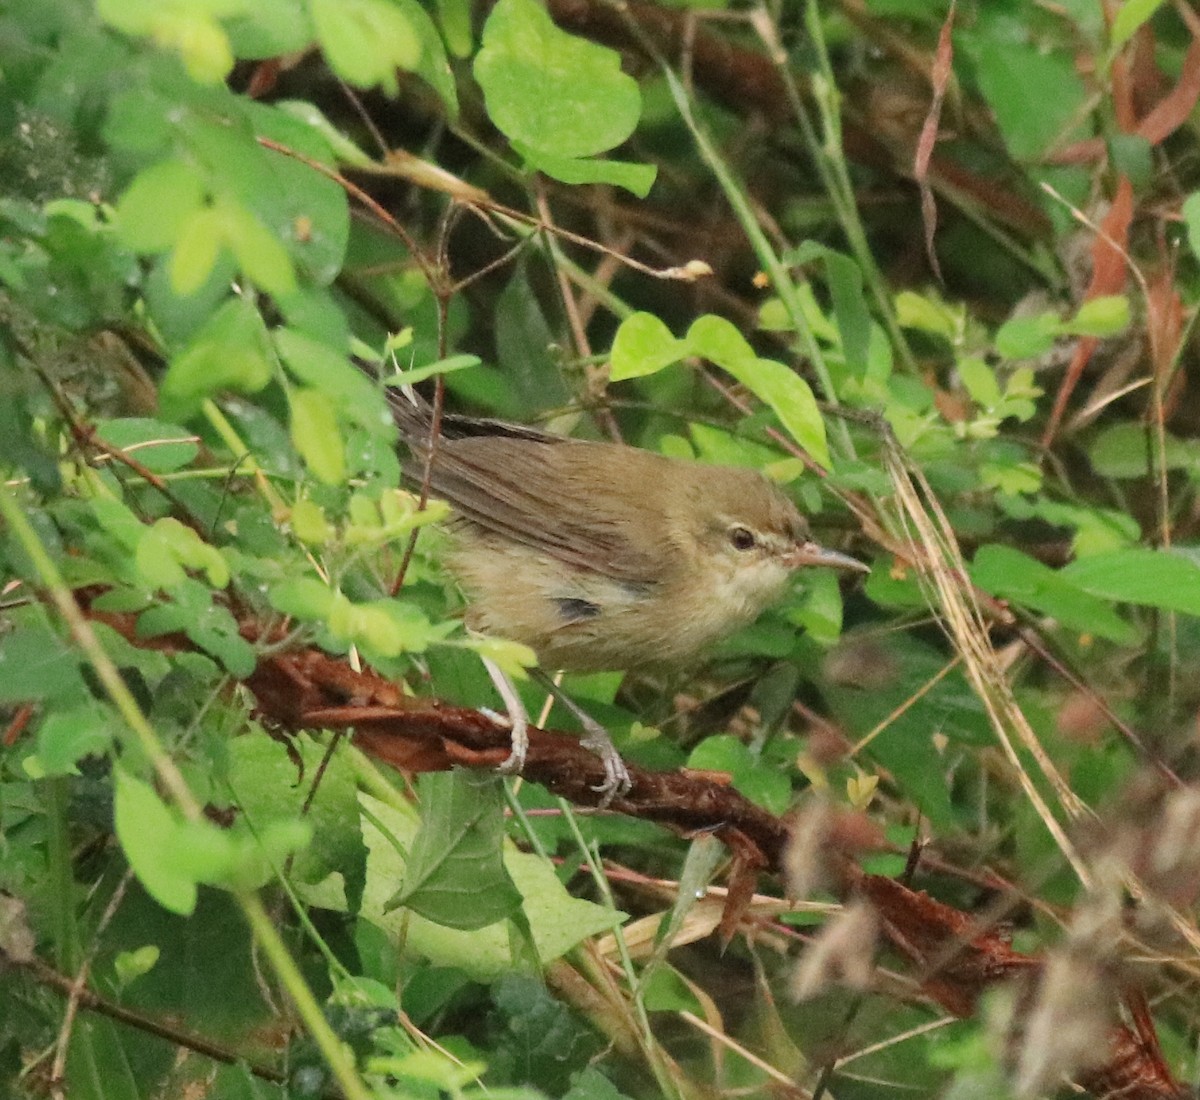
<point>580,620</point>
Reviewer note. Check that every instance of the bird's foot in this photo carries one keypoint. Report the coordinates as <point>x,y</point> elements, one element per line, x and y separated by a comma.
<point>617,779</point>
<point>515,761</point>
<point>518,720</point>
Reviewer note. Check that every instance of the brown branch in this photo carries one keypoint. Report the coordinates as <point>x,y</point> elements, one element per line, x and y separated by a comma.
<point>189,1040</point>
<point>962,959</point>
<point>958,955</point>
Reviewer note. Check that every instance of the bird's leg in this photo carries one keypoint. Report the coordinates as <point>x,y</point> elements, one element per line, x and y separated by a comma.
<point>596,739</point>
<point>518,718</point>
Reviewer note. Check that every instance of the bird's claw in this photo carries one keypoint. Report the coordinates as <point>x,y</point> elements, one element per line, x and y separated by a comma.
<point>617,780</point>
<point>519,740</point>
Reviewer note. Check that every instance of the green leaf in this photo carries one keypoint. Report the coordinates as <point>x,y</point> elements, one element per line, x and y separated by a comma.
<point>934,317</point>
<point>1011,575</point>
<point>1036,95</point>
<point>762,784</point>
<point>147,831</point>
<point>304,597</point>
<point>900,686</point>
<point>197,246</point>
<point>232,351</point>
<point>980,381</point>
<point>130,965</point>
<point>1130,16</point>
<point>1191,218</point>
<point>38,664</point>
<point>201,42</point>
<point>385,628</point>
<point>849,305</point>
<point>433,66</point>
<point>635,178</point>
<point>787,394</point>
<point>155,208</point>
<point>191,30</point>
<point>666,991</point>
<point>347,390</point>
<point>1151,578</point>
<point>304,210</point>
<point>643,345</point>
<point>456,875</point>
<point>552,91</point>
<point>259,253</point>
<point>365,41</point>
<point>311,115</point>
<point>190,608</point>
<point>274,784</point>
<point>1096,530</point>
<point>157,445</point>
<point>309,523</point>
<point>558,921</point>
<point>1121,451</point>
<point>68,735</point>
<point>167,548</point>
<point>1027,337</point>
<point>443,366</point>
<point>819,613</point>
<point>271,28</point>
<point>455,19</point>
<point>1104,316</point>
<point>513,658</point>
<point>316,435</point>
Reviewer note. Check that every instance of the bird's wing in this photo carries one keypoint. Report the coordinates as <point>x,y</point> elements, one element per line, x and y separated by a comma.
<point>531,487</point>
<point>527,489</point>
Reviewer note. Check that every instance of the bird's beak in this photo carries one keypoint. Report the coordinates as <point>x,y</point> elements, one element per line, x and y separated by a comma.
<point>809,553</point>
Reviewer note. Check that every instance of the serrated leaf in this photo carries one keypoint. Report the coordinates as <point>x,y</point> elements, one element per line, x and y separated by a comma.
<point>455,874</point>
<point>557,920</point>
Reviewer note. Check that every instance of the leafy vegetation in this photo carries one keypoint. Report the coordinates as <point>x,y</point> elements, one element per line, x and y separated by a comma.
<point>930,266</point>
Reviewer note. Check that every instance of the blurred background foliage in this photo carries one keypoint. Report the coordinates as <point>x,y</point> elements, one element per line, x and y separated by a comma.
<point>835,241</point>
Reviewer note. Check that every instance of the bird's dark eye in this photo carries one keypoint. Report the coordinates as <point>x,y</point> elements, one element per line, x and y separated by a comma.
<point>741,538</point>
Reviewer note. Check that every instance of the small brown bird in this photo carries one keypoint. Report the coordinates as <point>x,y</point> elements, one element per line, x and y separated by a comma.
<point>601,556</point>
